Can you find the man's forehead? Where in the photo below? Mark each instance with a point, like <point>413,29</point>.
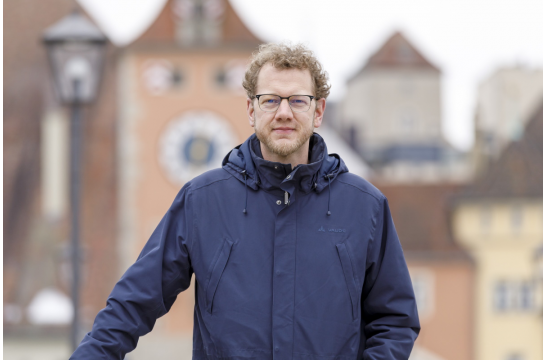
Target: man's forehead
<point>271,78</point>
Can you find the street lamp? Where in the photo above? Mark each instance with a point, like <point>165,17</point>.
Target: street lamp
<point>75,48</point>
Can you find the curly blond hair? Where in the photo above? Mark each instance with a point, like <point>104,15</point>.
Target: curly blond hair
<point>286,56</point>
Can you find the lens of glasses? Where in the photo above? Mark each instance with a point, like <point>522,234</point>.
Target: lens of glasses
<point>298,103</point>
<point>269,102</point>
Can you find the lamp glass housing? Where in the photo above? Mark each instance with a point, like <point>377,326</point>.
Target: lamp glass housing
<point>75,49</point>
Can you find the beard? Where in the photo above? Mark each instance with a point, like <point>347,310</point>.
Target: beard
<point>284,147</point>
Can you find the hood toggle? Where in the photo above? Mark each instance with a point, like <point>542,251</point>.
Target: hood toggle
<point>245,163</point>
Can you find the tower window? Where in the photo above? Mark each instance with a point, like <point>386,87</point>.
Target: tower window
<point>407,120</point>
<point>177,78</point>
<point>161,76</point>
<point>221,77</point>
<point>231,75</point>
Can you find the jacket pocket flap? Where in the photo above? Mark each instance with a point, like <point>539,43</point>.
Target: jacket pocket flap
<point>216,273</point>
<point>349,277</point>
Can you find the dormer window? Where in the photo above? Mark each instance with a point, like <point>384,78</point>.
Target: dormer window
<point>199,21</point>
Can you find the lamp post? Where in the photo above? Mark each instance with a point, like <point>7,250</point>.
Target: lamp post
<point>75,48</point>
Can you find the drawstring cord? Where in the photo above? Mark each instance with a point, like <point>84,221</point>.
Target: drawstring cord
<point>243,172</point>
<point>328,176</point>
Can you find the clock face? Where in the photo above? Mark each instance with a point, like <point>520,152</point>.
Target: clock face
<point>195,142</point>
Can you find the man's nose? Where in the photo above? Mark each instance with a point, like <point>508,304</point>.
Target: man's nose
<point>284,109</point>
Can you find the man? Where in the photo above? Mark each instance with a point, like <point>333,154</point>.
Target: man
<point>294,257</point>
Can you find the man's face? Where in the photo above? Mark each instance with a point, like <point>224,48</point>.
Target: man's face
<point>284,132</point>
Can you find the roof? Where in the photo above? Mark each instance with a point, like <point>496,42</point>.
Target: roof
<point>421,218</point>
<point>518,172</point>
<point>397,52</point>
<point>164,28</point>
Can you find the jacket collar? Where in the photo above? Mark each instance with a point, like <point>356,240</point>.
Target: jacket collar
<point>246,160</point>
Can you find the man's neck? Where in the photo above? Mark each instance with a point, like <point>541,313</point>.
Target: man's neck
<point>298,157</point>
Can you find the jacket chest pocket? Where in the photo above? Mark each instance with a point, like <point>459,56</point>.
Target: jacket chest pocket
<point>216,271</point>
<point>351,282</point>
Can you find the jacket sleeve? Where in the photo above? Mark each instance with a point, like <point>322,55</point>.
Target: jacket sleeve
<point>389,315</point>
<point>148,288</point>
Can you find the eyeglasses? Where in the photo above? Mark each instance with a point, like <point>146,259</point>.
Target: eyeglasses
<point>271,103</point>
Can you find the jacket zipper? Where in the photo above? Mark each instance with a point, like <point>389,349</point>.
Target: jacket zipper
<point>286,200</point>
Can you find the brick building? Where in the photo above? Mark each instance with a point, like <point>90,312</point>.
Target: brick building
<point>36,215</point>
<point>442,272</point>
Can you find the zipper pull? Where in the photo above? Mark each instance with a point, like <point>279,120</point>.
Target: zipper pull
<point>286,200</point>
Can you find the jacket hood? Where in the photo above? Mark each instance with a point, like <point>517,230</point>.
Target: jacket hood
<point>246,163</point>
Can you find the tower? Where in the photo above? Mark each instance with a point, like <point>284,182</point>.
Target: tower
<point>392,115</point>
<point>182,108</point>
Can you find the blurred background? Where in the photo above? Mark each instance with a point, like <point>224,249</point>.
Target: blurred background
<point>439,104</point>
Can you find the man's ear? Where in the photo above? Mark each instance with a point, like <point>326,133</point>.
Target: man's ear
<point>250,111</point>
<point>319,112</point>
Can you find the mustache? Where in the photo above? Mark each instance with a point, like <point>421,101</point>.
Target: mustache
<point>276,126</point>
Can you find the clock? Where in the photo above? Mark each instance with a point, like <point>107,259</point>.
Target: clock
<point>194,142</point>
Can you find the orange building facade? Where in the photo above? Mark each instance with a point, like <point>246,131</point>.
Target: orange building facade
<point>182,108</point>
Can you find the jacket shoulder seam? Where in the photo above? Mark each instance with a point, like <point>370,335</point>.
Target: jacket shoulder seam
<point>211,183</point>
<point>360,189</point>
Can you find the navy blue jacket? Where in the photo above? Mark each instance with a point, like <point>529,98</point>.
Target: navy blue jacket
<point>300,263</point>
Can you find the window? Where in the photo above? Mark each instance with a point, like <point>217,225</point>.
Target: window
<point>525,296</point>
<point>198,21</point>
<point>501,296</point>
<point>177,78</point>
<point>513,296</point>
<point>161,76</point>
<point>230,75</point>
<point>515,356</point>
<point>407,120</point>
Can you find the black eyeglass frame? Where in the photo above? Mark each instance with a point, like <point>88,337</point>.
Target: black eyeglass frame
<point>282,98</point>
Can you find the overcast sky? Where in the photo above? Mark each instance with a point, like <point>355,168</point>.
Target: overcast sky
<point>467,39</point>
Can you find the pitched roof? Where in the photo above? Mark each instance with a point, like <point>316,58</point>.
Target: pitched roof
<point>397,52</point>
<point>518,172</point>
<point>420,213</point>
<point>233,30</point>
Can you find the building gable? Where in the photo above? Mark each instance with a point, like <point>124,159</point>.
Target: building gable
<point>397,52</point>
<point>198,22</point>
<point>518,172</point>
